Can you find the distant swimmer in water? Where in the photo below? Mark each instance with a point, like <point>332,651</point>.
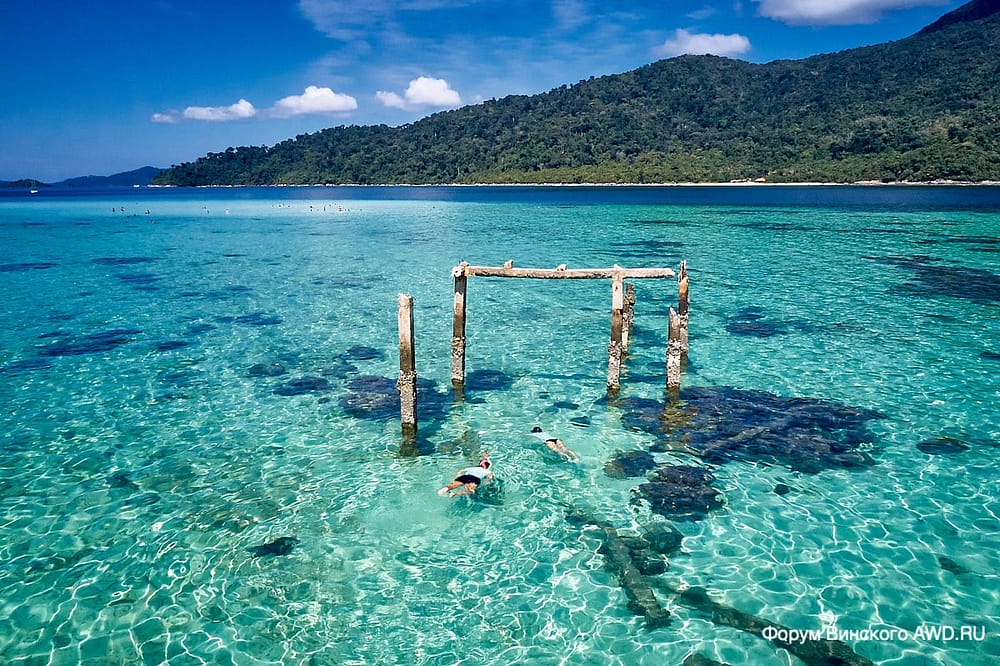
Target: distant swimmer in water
<point>468,480</point>
<point>555,444</point>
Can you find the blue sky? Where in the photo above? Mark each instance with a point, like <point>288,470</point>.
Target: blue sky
<point>109,86</point>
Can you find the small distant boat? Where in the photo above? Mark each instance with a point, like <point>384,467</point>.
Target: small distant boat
<point>137,186</point>
<point>33,191</point>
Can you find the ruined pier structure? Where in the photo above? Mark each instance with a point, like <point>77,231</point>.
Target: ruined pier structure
<point>622,316</point>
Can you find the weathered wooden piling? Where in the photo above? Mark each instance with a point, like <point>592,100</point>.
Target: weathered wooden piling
<point>674,354</point>
<point>628,316</point>
<point>682,305</point>
<point>615,350</point>
<point>458,326</point>
<point>407,383</point>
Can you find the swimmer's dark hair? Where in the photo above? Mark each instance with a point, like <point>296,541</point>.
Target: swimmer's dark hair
<point>536,429</point>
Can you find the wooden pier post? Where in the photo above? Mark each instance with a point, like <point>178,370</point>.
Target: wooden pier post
<point>407,383</point>
<point>458,327</point>
<point>682,305</point>
<point>615,346</point>
<point>628,316</point>
<point>674,355</point>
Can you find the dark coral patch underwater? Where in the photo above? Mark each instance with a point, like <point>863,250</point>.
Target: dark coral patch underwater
<point>630,464</point>
<point>488,380</point>
<point>937,446</point>
<point>302,385</point>
<point>122,261</point>
<point>932,278</point>
<point>750,321</point>
<point>372,397</point>
<point>681,492</point>
<point>90,344</point>
<point>26,266</point>
<point>723,424</point>
<point>277,548</point>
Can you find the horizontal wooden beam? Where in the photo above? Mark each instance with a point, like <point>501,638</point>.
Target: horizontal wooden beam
<point>561,272</point>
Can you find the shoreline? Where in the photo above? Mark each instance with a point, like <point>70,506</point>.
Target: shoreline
<point>863,183</point>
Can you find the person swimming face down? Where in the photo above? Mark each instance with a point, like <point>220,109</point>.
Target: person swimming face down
<point>468,480</point>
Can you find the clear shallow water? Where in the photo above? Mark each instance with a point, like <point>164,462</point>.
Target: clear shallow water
<point>142,454</point>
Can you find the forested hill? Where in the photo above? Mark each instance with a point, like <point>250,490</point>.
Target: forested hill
<point>919,109</point>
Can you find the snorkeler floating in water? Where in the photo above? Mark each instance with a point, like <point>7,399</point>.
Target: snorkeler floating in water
<point>470,478</point>
<point>555,444</point>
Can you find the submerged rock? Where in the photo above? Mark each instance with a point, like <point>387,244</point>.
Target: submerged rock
<point>371,397</point>
<point>121,479</point>
<point>26,266</point>
<point>698,659</point>
<point>254,319</point>
<point>663,537</point>
<point>934,279</point>
<point>302,385</point>
<point>198,329</point>
<point>25,365</point>
<point>681,492</point>
<point>951,566</point>
<point>141,281</point>
<point>632,463</point>
<point>374,397</point>
<point>721,424</point>
<point>90,344</point>
<point>266,370</point>
<point>488,380</point>
<point>169,345</point>
<point>362,353</point>
<point>280,546</point>
<point>339,368</point>
<point>942,446</point>
<point>122,261</point>
<point>750,321</point>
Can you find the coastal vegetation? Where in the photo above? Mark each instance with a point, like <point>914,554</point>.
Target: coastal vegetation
<point>920,109</point>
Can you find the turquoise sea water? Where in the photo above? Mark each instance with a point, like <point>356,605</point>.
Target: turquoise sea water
<point>181,386</point>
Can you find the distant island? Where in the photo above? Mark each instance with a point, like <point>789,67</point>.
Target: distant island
<point>141,177</point>
<point>922,109</point>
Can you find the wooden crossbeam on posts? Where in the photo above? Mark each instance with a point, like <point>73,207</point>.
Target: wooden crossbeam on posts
<point>407,383</point>
<point>622,308</point>
<point>561,272</point>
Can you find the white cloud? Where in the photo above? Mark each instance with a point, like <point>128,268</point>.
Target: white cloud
<point>356,20</point>
<point>345,20</point>
<point>314,100</point>
<point>701,14</point>
<point>701,43</point>
<point>390,99</point>
<point>422,93</point>
<point>238,111</point>
<point>834,12</point>
<point>165,117</point>
<point>569,14</point>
